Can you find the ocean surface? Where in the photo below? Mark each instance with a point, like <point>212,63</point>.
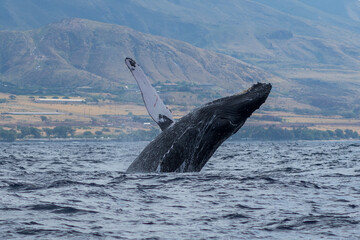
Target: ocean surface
<point>248,190</point>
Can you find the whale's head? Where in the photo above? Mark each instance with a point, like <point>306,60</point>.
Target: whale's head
<point>207,127</point>
<point>230,113</point>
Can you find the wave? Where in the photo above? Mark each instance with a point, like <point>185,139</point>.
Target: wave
<point>54,208</point>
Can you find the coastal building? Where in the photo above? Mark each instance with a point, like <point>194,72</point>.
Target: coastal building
<point>62,101</point>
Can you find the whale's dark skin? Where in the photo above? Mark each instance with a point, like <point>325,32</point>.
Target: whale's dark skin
<point>187,145</point>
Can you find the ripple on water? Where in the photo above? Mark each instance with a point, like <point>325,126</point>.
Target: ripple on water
<point>249,190</point>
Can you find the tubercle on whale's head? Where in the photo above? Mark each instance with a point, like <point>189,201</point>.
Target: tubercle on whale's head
<point>258,88</point>
<point>237,108</point>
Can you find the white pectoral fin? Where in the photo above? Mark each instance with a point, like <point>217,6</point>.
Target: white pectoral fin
<point>154,105</point>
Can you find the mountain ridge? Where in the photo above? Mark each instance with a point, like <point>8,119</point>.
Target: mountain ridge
<point>93,53</point>
<point>306,43</point>
<point>77,53</point>
<point>238,28</point>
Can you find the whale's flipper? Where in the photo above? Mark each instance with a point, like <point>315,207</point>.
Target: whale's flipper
<point>154,105</point>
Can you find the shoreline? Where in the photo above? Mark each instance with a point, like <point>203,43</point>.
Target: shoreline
<point>123,140</point>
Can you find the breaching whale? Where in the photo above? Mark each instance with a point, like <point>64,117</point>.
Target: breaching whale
<point>187,145</point>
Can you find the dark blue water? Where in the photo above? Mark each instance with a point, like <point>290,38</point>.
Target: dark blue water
<point>248,190</point>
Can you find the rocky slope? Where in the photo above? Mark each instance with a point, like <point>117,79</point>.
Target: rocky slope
<point>83,53</point>
<point>273,34</point>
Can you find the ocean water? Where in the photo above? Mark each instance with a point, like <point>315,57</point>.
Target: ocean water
<point>248,190</point>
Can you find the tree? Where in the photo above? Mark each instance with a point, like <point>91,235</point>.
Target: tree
<point>339,133</point>
<point>27,131</point>
<point>87,134</point>
<point>44,118</point>
<point>7,135</point>
<point>24,131</point>
<point>35,132</point>
<point>48,131</point>
<point>351,134</point>
<point>63,131</point>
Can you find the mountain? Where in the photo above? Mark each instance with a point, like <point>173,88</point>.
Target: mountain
<point>273,34</point>
<point>313,45</point>
<point>82,53</point>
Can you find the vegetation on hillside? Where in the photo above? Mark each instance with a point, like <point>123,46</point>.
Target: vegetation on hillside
<point>274,133</point>
<point>248,133</point>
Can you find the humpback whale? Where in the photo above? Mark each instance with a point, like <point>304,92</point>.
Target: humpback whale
<point>187,144</point>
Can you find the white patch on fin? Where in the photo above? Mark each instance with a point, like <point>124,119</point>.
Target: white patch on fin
<point>153,103</point>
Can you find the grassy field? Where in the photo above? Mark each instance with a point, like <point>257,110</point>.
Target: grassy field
<point>85,117</point>
<point>116,116</point>
<point>319,122</point>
